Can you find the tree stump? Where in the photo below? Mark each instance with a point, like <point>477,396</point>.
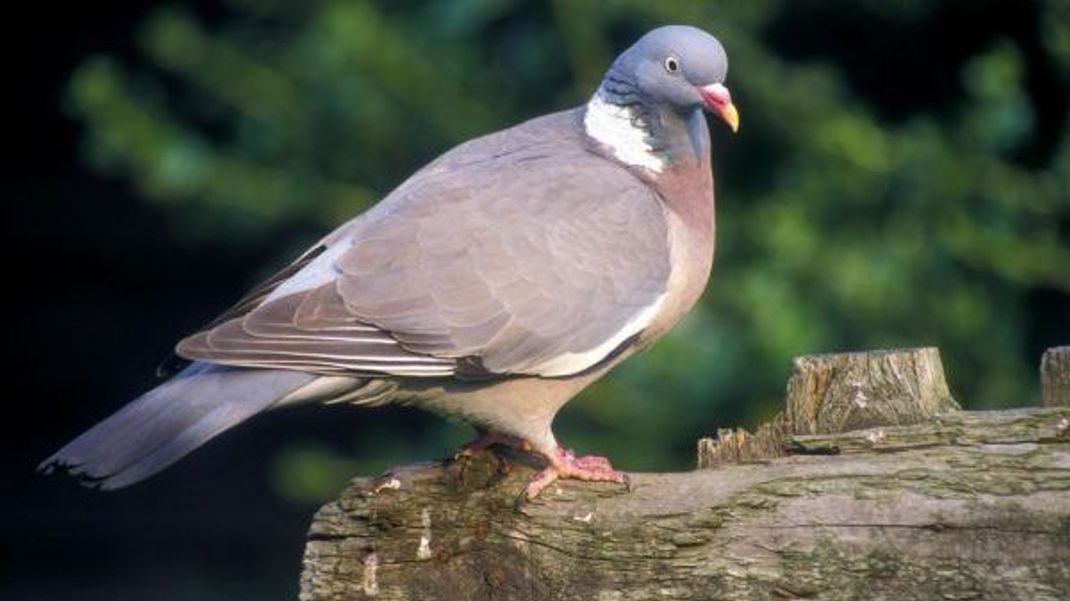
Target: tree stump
<point>834,393</point>
<point>851,391</point>
<point>1055,377</point>
<point>962,505</point>
<point>736,445</point>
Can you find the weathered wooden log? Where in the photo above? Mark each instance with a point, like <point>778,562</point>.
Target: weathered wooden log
<point>970,505</point>
<point>834,393</point>
<point>1055,377</point>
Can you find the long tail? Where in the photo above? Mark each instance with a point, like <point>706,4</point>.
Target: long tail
<point>166,423</point>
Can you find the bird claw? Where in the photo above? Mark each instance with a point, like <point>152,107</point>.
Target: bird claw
<point>565,465</point>
<point>562,464</point>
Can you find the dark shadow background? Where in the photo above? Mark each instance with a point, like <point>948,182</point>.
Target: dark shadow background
<point>98,291</point>
<point>103,276</point>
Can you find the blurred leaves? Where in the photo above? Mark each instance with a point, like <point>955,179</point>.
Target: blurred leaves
<point>310,473</point>
<point>838,229</point>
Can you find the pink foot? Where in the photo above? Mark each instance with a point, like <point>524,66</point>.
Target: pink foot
<point>488,438</point>
<point>564,464</point>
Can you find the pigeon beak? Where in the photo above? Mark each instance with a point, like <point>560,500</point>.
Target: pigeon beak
<point>719,101</point>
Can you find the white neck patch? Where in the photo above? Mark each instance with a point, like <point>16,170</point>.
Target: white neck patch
<point>612,126</point>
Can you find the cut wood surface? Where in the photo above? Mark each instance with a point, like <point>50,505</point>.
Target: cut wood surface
<point>962,505</point>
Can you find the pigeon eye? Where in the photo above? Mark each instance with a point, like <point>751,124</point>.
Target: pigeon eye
<point>672,65</point>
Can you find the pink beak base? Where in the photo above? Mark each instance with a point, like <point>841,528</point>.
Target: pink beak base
<point>719,100</point>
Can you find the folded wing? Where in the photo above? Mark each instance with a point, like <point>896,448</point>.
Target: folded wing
<point>512,254</point>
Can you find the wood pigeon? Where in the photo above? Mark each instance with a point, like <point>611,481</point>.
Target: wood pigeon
<point>493,285</point>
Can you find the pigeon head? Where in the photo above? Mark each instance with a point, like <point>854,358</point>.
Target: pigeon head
<point>677,66</point>
<point>648,111</point>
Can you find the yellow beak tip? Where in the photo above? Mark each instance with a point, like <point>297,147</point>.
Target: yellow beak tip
<point>731,117</point>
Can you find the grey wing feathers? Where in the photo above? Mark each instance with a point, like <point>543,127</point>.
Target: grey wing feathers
<point>521,252</point>
<point>252,299</point>
<point>278,335</point>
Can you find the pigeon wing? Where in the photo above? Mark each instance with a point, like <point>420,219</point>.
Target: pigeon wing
<point>517,253</point>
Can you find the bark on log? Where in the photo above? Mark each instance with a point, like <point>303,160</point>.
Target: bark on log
<point>972,505</point>
<point>1055,377</point>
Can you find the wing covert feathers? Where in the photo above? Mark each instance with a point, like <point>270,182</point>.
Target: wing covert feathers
<point>520,252</point>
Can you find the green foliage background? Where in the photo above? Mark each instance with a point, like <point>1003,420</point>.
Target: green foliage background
<point>841,225</point>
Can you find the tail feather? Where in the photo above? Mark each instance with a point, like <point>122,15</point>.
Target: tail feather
<point>168,422</point>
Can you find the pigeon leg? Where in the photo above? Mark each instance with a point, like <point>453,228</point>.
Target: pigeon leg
<point>564,464</point>
<point>487,438</point>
